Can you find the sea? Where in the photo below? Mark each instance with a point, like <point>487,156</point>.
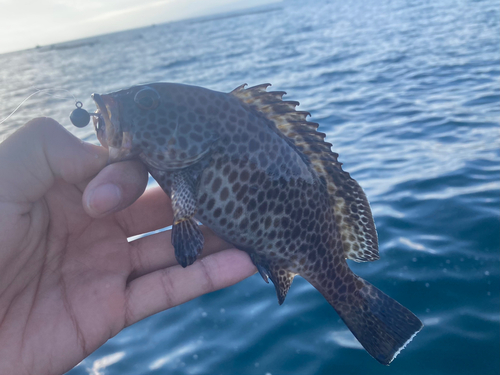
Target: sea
<point>408,93</point>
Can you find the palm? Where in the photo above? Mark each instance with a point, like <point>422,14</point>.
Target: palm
<point>77,287</point>
<point>69,282</point>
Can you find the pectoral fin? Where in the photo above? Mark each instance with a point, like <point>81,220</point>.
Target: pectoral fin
<point>187,238</point>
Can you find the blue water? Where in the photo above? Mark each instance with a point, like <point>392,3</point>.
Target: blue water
<point>408,93</point>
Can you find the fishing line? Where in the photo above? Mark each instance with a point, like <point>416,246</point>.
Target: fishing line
<point>45,92</point>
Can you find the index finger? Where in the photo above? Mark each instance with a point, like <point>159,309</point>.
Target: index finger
<point>40,152</point>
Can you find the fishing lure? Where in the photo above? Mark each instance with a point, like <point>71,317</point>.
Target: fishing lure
<point>79,116</point>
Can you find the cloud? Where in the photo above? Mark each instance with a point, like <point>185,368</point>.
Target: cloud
<point>27,23</point>
<point>120,12</point>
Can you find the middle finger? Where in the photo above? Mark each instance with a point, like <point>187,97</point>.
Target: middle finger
<point>154,252</point>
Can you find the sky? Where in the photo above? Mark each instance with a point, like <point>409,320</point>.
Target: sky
<point>28,23</point>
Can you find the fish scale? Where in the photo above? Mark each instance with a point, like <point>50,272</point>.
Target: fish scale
<point>255,171</point>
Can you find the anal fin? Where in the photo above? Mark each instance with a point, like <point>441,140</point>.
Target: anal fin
<point>282,281</point>
<point>281,278</point>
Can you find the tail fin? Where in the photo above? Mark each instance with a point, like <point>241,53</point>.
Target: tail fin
<point>380,324</point>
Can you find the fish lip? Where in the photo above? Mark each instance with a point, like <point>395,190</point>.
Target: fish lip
<point>102,108</point>
<point>98,101</point>
<point>106,109</point>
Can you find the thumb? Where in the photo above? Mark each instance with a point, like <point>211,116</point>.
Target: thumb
<point>39,153</point>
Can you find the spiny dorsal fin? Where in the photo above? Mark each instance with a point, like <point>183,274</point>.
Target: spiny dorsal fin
<point>352,210</point>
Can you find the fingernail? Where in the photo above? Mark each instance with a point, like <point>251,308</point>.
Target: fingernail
<point>104,198</point>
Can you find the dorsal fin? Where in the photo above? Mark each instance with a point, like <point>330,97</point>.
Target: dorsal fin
<point>352,210</point>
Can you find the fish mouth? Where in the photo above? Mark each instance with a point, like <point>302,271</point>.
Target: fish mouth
<point>108,129</point>
<point>102,122</point>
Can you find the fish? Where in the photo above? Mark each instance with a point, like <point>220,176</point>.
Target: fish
<point>253,169</point>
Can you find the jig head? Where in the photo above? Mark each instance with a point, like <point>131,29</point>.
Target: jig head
<point>80,117</point>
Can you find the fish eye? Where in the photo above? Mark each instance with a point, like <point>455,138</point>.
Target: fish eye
<point>147,98</point>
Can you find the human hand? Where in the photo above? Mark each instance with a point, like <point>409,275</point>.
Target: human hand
<point>69,279</point>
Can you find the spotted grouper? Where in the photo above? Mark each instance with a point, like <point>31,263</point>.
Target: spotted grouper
<point>254,170</point>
